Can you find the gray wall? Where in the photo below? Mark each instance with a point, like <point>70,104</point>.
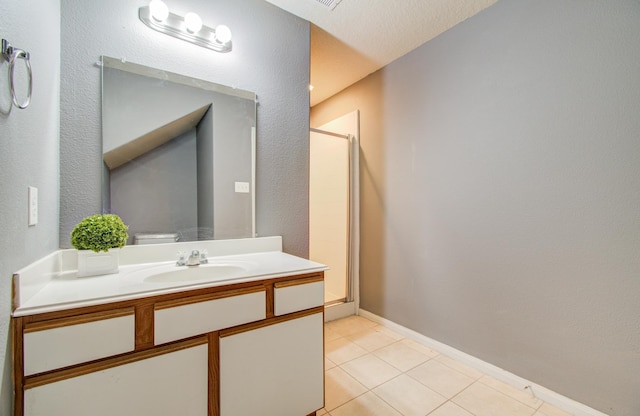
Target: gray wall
<point>28,156</point>
<point>155,192</point>
<point>204,181</point>
<point>231,163</point>
<point>501,193</point>
<point>224,157</point>
<point>270,57</point>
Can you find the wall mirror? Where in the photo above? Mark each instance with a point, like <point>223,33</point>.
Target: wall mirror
<point>178,153</point>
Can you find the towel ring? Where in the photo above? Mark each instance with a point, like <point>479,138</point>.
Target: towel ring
<point>12,54</point>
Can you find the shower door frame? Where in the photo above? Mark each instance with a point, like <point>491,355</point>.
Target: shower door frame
<point>350,304</point>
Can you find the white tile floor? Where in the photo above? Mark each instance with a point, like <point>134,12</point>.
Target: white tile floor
<point>370,370</point>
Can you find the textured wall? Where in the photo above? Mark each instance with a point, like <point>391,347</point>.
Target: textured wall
<point>500,193</point>
<point>28,156</point>
<point>270,57</point>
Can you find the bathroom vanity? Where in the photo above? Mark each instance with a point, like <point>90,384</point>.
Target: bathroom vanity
<point>246,340</point>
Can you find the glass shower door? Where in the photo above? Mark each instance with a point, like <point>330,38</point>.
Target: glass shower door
<point>329,219</point>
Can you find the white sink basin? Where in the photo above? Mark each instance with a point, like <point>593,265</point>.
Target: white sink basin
<point>215,271</point>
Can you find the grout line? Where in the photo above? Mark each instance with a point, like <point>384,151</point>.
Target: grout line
<point>350,400</point>
<point>457,370</point>
<point>434,410</point>
<point>405,372</point>
<point>389,404</point>
<point>460,392</point>
<point>544,394</point>
<point>509,396</point>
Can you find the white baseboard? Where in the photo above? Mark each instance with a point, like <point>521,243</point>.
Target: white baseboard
<point>339,310</point>
<point>549,396</point>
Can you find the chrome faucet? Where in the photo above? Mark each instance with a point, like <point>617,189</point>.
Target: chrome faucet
<point>196,258</point>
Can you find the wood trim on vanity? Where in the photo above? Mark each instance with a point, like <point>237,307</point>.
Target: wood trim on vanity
<point>303,281</point>
<point>207,297</point>
<point>110,306</point>
<point>270,321</point>
<point>15,292</point>
<point>78,319</point>
<point>271,300</point>
<point>118,360</point>
<point>214,374</point>
<point>16,326</point>
<point>144,326</point>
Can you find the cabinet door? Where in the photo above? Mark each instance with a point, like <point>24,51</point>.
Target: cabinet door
<point>273,370</point>
<point>169,384</point>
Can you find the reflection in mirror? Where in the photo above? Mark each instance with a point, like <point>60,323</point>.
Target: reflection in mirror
<point>179,154</point>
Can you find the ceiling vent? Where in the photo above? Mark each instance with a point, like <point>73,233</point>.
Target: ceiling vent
<point>330,4</point>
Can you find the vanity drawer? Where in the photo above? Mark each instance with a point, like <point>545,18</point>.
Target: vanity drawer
<point>297,295</point>
<point>187,317</point>
<point>58,343</point>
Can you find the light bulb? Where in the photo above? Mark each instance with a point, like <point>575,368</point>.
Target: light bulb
<point>159,10</point>
<point>223,34</point>
<point>193,22</point>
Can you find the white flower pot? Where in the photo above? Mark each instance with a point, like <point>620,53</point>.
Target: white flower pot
<point>91,263</point>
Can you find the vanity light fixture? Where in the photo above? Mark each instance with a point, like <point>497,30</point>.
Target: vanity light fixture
<point>190,28</point>
<point>159,10</point>
<point>192,22</point>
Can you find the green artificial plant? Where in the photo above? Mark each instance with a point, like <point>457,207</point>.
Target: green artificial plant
<point>100,232</point>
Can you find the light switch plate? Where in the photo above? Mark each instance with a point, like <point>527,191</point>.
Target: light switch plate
<point>33,205</point>
<point>242,187</point>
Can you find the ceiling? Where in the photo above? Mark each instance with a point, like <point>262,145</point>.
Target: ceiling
<point>359,37</point>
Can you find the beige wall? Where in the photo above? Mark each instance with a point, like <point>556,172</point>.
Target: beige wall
<point>500,167</point>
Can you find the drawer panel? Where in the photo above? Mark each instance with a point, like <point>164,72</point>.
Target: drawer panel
<point>298,295</point>
<point>57,344</point>
<point>202,316</point>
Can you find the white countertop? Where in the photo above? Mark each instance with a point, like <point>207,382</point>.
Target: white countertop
<point>64,290</point>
